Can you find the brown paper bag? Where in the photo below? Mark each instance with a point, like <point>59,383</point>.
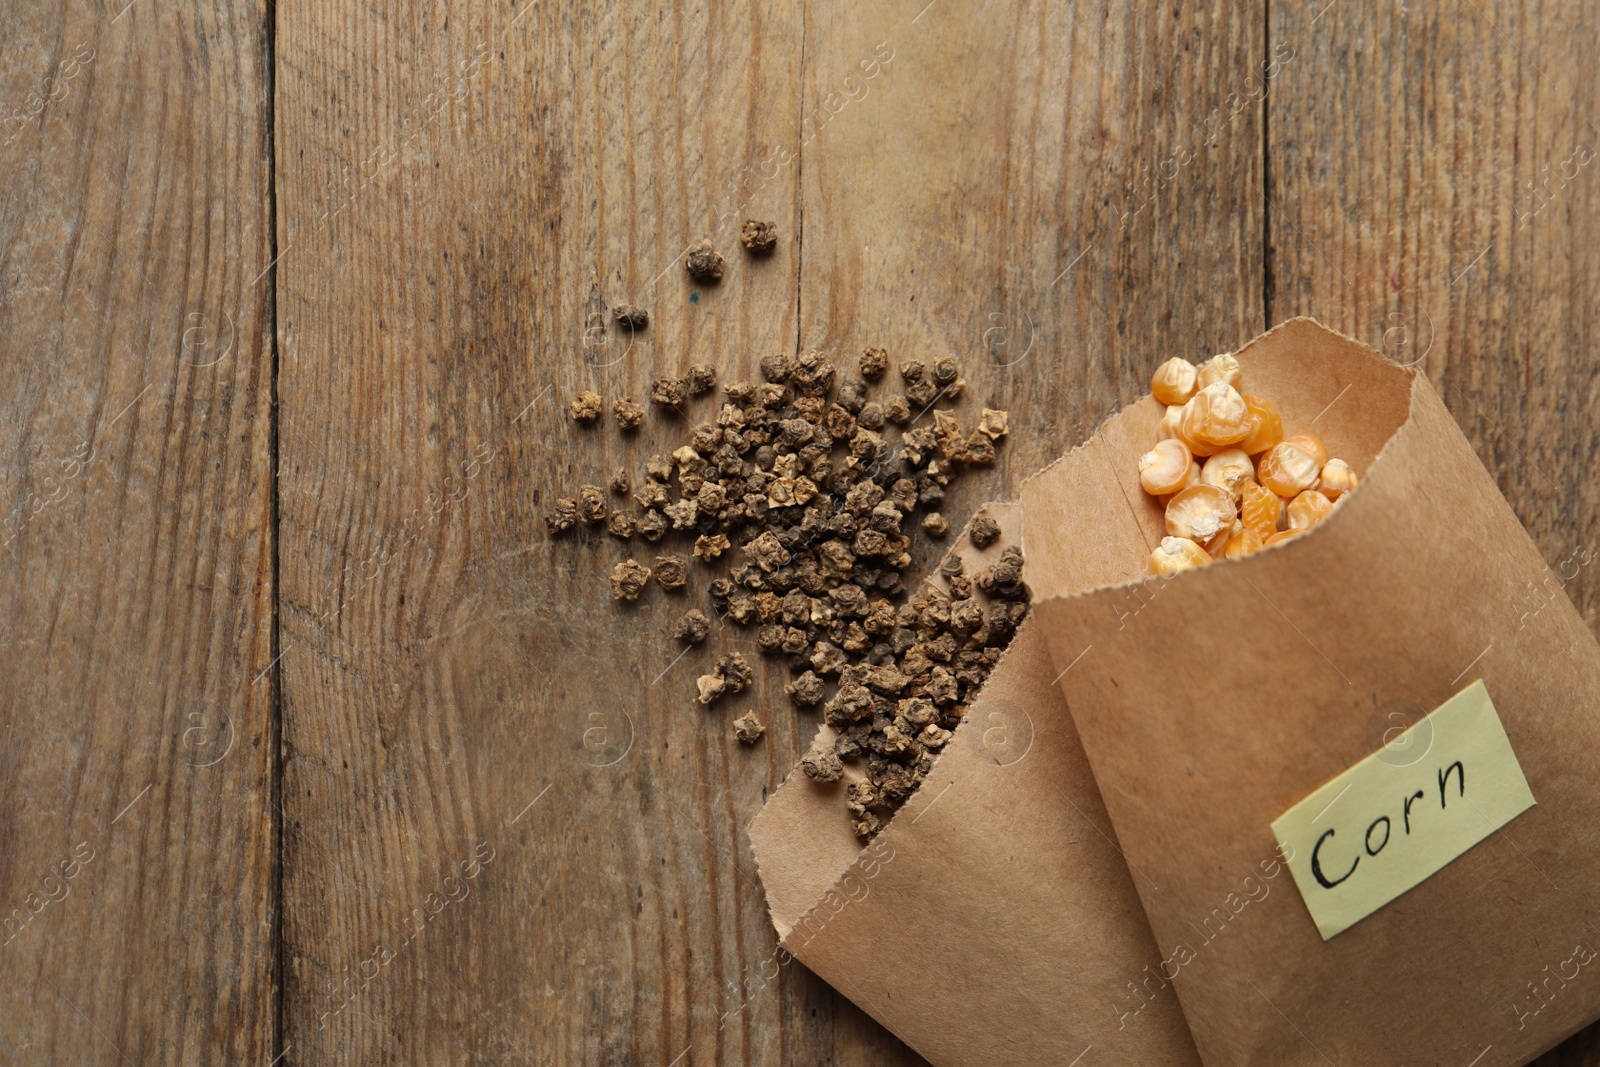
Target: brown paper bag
<point>1211,704</point>
<point>993,918</point>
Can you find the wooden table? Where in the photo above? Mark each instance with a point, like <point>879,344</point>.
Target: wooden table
<point>293,298</point>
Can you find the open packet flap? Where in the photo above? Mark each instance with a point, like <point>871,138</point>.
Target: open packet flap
<point>993,920</point>
<point>1212,703</point>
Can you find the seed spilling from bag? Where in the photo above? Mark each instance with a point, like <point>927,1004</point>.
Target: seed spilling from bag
<point>813,515</point>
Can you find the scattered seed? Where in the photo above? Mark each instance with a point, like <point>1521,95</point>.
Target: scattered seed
<point>736,673</point>
<point>710,687</point>
<point>563,518</point>
<point>628,413</point>
<point>775,366</point>
<point>702,379</point>
<point>758,237</point>
<point>873,363</point>
<point>628,579</point>
<point>708,547</point>
<point>806,690</point>
<point>797,474</point>
<point>692,627</point>
<point>668,392</point>
<point>748,729</point>
<point>652,524</point>
<point>630,317</point>
<point>671,571</point>
<point>586,407</point>
<point>592,504</point>
<point>704,263</point>
<point>992,424</point>
<point>822,766</point>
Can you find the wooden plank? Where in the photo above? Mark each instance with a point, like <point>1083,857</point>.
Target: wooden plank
<point>1433,194</point>
<point>452,678</point>
<point>1059,197</point>
<point>136,542</point>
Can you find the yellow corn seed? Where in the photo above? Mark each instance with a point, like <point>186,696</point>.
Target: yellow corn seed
<point>1243,544</point>
<point>1260,510</point>
<point>1175,555</point>
<point>1218,544</point>
<point>1281,536</point>
<point>1266,425</point>
<point>1308,509</point>
<point>1229,469</point>
<point>1169,422</point>
<point>1288,470</point>
<point>1190,480</point>
<point>1174,381</point>
<point>1165,468</point>
<point>1222,368</point>
<point>1337,479</point>
<point>1215,418</point>
<point>1200,513</point>
<point>1311,445</point>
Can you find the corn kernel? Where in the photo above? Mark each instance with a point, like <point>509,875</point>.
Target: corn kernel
<point>1165,468</point>
<point>1175,555</point>
<point>1222,368</point>
<point>1200,513</point>
<point>1190,480</point>
<point>1281,536</point>
<point>1311,445</point>
<point>1174,381</point>
<point>1219,544</point>
<point>1243,543</point>
<point>1229,469</point>
<point>1266,425</point>
<point>1169,422</point>
<point>1308,509</point>
<point>1288,470</point>
<point>1338,479</point>
<point>1260,510</point>
<point>1215,418</point>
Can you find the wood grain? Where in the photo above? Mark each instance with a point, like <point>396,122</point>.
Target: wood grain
<point>442,672</point>
<point>1010,191</point>
<point>1409,150</point>
<point>507,833</point>
<point>1000,197</point>
<point>452,677</point>
<point>136,542</point>
<point>1411,153</point>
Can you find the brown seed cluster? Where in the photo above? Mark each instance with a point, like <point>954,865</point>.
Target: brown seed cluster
<point>630,317</point>
<point>748,728</point>
<point>704,263</point>
<point>793,482</point>
<point>628,413</point>
<point>758,237</point>
<point>585,407</point>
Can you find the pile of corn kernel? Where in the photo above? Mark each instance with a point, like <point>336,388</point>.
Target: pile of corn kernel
<point>1230,481</point>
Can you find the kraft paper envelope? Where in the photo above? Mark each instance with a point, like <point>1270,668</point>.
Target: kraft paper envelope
<point>1212,704</point>
<point>994,920</point>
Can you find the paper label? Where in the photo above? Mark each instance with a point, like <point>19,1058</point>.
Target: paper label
<point>1404,812</point>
